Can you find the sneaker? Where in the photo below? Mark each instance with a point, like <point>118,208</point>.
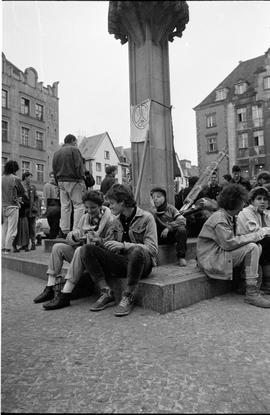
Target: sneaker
<point>125,306</point>
<point>182,262</point>
<point>46,295</point>
<point>60,300</point>
<point>106,299</point>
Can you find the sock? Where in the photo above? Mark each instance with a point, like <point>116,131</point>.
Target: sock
<point>68,287</point>
<point>51,280</point>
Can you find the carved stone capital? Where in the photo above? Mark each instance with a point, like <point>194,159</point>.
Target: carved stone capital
<point>127,20</point>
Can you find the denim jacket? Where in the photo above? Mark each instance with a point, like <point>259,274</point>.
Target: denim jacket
<point>142,232</point>
<point>216,241</point>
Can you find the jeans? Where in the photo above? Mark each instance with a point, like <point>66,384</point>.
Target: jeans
<point>32,229</point>
<point>9,226</point>
<point>101,263</point>
<point>71,194</point>
<point>53,216</point>
<point>249,255</point>
<point>179,236</point>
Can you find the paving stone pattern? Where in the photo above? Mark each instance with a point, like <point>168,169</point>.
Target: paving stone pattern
<point>212,357</point>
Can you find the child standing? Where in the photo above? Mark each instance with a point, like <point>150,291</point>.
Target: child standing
<point>171,225</point>
<point>220,249</point>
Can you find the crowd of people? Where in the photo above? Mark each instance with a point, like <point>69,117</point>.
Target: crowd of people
<point>106,234</point>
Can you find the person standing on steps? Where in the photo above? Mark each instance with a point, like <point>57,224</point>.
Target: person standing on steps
<point>68,169</point>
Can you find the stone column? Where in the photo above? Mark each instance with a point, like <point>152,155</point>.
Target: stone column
<point>147,27</point>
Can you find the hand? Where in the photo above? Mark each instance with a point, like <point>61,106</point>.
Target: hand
<point>114,246</point>
<point>164,233</point>
<point>92,237</point>
<point>267,231</point>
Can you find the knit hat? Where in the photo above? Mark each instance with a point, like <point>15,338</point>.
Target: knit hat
<point>159,189</point>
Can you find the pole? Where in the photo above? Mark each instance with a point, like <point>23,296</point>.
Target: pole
<point>142,166</point>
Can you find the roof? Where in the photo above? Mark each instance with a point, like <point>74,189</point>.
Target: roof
<point>89,145</point>
<point>245,71</point>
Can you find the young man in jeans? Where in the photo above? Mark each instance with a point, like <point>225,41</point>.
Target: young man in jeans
<point>130,251</point>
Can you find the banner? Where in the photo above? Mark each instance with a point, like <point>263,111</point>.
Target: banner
<point>139,121</point>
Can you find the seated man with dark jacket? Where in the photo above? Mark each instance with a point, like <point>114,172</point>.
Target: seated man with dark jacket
<point>171,226</point>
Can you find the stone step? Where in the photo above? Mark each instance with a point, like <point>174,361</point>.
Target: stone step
<point>166,253</point>
<point>167,288</point>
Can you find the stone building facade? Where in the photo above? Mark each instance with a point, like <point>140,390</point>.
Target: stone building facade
<point>30,121</point>
<point>236,115</point>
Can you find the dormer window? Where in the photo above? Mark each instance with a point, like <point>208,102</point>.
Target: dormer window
<point>240,88</point>
<point>221,94</point>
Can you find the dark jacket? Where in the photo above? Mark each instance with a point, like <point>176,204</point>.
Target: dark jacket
<point>243,182</point>
<point>67,164</point>
<point>107,183</point>
<point>31,202</point>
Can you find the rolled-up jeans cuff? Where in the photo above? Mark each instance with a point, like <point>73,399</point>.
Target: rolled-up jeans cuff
<point>51,272</point>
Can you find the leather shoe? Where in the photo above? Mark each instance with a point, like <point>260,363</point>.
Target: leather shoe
<point>61,300</point>
<point>46,295</point>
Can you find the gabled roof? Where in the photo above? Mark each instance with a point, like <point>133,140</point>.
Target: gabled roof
<point>89,145</point>
<point>245,71</point>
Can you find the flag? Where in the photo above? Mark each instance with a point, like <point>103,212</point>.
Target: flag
<point>139,121</point>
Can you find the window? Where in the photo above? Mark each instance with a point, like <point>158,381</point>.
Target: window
<point>240,88</point>
<point>212,144</point>
<point>4,131</point>
<point>124,172</point>
<point>25,137</point>
<point>257,116</point>
<point>241,114</point>
<point>25,106</point>
<point>266,82</point>
<point>243,140</point>
<point>25,166</point>
<point>40,173</point>
<point>39,140</point>
<point>220,94</point>
<point>98,166</point>
<point>98,180</point>
<point>211,120</point>
<point>107,155</point>
<point>4,98</point>
<point>39,112</point>
<point>258,138</point>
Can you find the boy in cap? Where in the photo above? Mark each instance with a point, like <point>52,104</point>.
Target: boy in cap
<point>171,225</point>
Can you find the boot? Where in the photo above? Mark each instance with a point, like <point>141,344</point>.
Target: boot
<point>254,297</point>
<point>39,239</point>
<point>33,246</point>
<point>265,287</point>
<point>46,295</point>
<point>60,300</point>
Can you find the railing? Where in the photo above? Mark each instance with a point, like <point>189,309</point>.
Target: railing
<point>242,125</point>
<point>258,150</point>
<point>243,152</point>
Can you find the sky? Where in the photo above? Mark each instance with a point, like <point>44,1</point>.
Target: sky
<point>68,41</point>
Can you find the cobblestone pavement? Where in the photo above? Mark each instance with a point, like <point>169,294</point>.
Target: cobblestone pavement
<point>212,357</point>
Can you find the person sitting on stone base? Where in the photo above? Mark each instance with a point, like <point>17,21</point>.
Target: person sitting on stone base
<point>94,223</point>
<point>220,249</point>
<point>129,252</point>
<point>252,218</point>
<point>171,225</point>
